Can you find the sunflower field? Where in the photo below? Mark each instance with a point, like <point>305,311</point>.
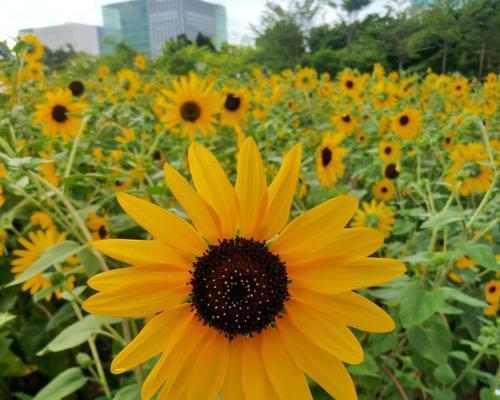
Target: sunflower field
<point>288,235</point>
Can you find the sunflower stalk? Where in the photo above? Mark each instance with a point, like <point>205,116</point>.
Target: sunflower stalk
<point>74,148</point>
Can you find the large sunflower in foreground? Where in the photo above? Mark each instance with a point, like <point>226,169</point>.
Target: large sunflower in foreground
<point>60,115</point>
<point>192,106</point>
<point>245,304</point>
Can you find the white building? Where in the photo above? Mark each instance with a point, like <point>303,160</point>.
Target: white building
<point>80,36</point>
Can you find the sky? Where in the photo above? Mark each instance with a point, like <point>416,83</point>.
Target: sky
<point>19,14</point>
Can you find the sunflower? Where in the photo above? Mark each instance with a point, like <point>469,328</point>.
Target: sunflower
<point>375,215</point>
<point>384,190</point>
<point>129,82</point>
<point>391,171</point>
<point>362,138</point>
<point>193,106</point>
<point>345,123</point>
<point>329,164</point>
<point>77,88</point>
<point>41,219</point>
<point>234,111</point>
<point>140,62</point>
<point>98,225</point>
<point>350,84</point>
<point>470,172</point>
<point>59,115</point>
<point>237,314</point>
<point>102,72</point>
<point>34,48</point>
<point>407,124</point>
<point>389,152</point>
<point>306,78</point>
<point>492,291</point>
<point>33,70</point>
<point>33,248</point>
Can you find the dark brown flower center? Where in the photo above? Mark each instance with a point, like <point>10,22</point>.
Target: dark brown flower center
<point>391,171</point>
<point>346,118</point>
<point>232,102</point>
<point>190,111</point>
<point>238,287</point>
<point>59,113</point>
<point>388,150</point>
<point>403,120</point>
<point>326,156</point>
<point>349,84</point>
<point>492,289</point>
<point>77,88</point>
<point>384,189</point>
<point>102,232</point>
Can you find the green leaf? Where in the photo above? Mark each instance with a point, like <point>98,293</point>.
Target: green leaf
<point>431,340</point>
<point>418,305</point>
<point>483,254</point>
<point>444,373</point>
<point>130,392</point>
<point>54,255</point>
<point>443,394</point>
<point>6,317</point>
<point>454,294</point>
<point>62,385</point>
<point>442,218</point>
<point>367,368</point>
<point>89,262</point>
<point>12,366</point>
<point>62,315</point>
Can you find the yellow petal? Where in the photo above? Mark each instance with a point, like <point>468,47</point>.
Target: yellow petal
<point>136,299</point>
<point>313,230</point>
<point>256,383</point>
<point>326,370</point>
<point>288,381</point>
<point>214,186</point>
<point>137,252</point>
<point>170,365</point>
<point>358,242</point>
<point>158,336</point>
<point>353,309</point>
<point>163,225</point>
<point>122,276</point>
<point>201,213</point>
<point>357,274</point>
<point>209,370</point>
<point>280,195</point>
<point>251,188</point>
<point>232,388</point>
<point>325,331</point>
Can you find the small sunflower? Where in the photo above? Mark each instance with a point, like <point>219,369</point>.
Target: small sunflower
<point>41,219</point>
<point>306,78</point>
<point>77,88</point>
<point>392,171</point>
<point>407,124</point>
<point>492,292</point>
<point>129,82</point>
<point>34,48</point>
<point>470,172</point>
<point>238,315</point>
<point>140,62</point>
<point>33,70</point>
<point>234,111</point>
<point>59,115</point>
<point>389,152</point>
<point>193,106</point>
<point>329,164</point>
<point>384,190</point>
<point>98,225</point>
<point>102,72</point>
<point>350,84</point>
<point>375,215</point>
<point>345,123</point>
<point>33,247</point>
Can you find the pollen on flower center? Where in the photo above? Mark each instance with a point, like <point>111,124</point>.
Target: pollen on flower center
<point>190,111</point>
<point>238,287</point>
<point>326,156</point>
<point>59,113</point>
<point>232,102</point>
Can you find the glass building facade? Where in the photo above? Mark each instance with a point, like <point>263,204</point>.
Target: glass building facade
<point>147,24</point>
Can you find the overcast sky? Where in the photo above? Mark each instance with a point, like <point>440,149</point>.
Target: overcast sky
<point>19,14</point>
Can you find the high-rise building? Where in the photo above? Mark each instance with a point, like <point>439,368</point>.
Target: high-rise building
<point>147,24</point>
<point>80,36</point>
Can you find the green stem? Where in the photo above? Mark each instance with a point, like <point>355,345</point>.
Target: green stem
<point>75,147</point>
<point>471,365</point>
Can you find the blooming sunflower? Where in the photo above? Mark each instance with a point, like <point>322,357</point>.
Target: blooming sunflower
<point>492,291</point>
<point>77,88</point>
<point>33,70</point>
<point>306,78</point>
<point>345,123</point>
<point>102,72</point>
<point>389,152</point>
<point>129,82</point>
<point>384,190</point>
<point>59,115</point>
<point>193,106</point>
<point>375,215</point>
<point>234,111</point>
<point>470,172</point>
<point>34,48</point>
<point>350,84</point>
<point>329,164</point>
<point>140,62</point>
<point>236,313</point>
<point>37,244</point>
<point>391,171</point>
<point>98,225</point>
<point>406,125</point>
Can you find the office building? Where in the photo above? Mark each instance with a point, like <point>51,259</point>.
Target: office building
<point>81,37</point>
<point>147,24</point>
